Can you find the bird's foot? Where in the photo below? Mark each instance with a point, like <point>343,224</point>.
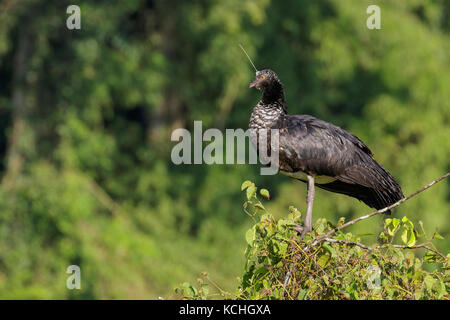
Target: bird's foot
<point>298,228</point>
<point>302,230</point>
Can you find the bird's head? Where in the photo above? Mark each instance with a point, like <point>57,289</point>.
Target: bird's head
<point>265,79</point>
<point>268,83</point>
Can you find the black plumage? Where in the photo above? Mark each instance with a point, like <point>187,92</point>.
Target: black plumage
<point>313,149</point>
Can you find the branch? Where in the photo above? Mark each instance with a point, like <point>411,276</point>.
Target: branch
<point>331,232</point>
<point>326,237</point>
<point>424,245</point>
<point>420,246</point>
<point>333,240</point>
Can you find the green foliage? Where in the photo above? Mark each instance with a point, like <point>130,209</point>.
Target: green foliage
<point>281,266</point>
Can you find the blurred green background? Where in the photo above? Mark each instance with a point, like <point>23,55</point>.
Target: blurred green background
<point>86,117</point>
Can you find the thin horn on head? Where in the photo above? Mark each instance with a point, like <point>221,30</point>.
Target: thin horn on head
<point>248,57</point>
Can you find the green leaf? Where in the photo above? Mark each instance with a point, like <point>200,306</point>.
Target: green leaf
<point>438,236</point>
<point>330,249</point>
<point>285,222</point>
<point>323,260</point>
<point>265,193</point>
<point>294,213</point>
<point>430,256</point>
<point>418,294</point>
<point>205,289</point>
<point>408,237</point>
<point>440,288</point>
<point>261,272</point>
<point>302,294</point>
<point>407,223</point>
<point>412,239</point>
<point>383,236</point>
<point>359,235</point>
<point>429,282</point>
<point>392,225</point>
<point>259,206</point>
<point>250,236</point>
<point>246,184</point>
<point>282,248</point>
<point>188,289</point>
<point>251,191</point>
<point>395,222</point>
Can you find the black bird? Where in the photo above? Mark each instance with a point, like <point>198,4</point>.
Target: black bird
<point>317,152</point>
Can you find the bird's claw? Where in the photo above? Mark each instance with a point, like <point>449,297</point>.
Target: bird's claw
<point>302,230</point>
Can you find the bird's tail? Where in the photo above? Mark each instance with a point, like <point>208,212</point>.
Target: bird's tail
<point>374,198</point>
<point>370,183</point>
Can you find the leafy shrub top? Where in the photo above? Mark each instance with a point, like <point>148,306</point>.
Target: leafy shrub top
<point>279,265</point>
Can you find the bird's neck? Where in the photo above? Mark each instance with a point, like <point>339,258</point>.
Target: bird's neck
<point>274,95</point>
<point>267,115</point>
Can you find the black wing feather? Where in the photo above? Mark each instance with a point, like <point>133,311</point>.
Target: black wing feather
<point>317,147</point>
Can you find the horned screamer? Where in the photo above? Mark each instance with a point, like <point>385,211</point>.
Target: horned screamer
<point>320,153</point>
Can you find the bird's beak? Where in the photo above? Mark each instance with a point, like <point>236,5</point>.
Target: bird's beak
<point>253,84</point>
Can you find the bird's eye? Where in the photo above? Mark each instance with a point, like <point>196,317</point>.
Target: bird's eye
<point>262,77</point>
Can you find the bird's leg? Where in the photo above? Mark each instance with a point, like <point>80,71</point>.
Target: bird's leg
<point>309,201</point>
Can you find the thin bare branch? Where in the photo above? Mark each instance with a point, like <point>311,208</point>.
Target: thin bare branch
<point>331,232</point>
<point>327,237</point>
<point>333,240</point>
<point>420,246</point>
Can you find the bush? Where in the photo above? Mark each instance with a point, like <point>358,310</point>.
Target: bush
<point>281,266</point>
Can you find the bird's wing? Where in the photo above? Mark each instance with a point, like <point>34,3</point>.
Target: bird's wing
<point>313,145</point>
<point>320,148</point>
<point>332,130</point>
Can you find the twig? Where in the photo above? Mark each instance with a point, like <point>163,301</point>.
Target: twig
<point>222,292</point>
<point>420,246</point>
<point>287,278</point>
<point>333,240</point>
<point>327,235</point>
<point>423,245</point>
